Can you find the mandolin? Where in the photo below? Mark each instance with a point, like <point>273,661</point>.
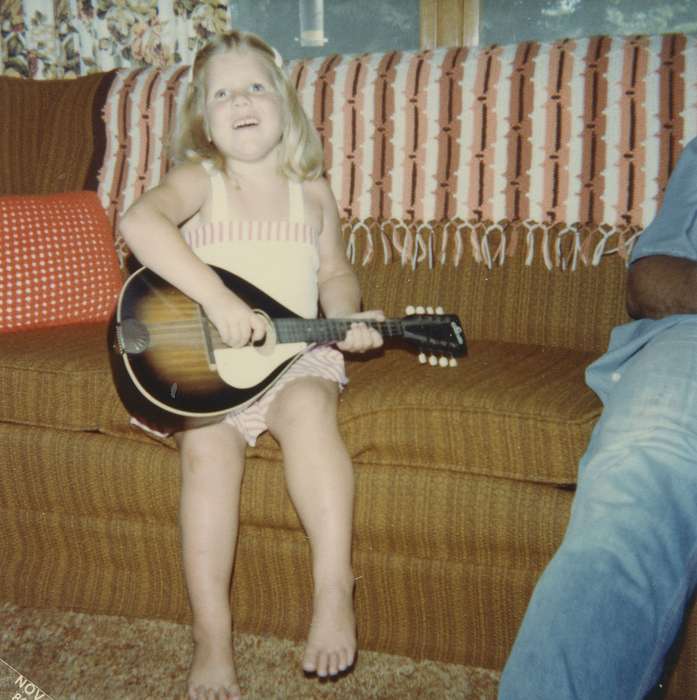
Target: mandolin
<point>172,371</point>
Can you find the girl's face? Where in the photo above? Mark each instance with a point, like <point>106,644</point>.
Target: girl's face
<point>243,110</point>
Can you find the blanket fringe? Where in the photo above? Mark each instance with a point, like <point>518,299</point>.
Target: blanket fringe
<point>558,245</point>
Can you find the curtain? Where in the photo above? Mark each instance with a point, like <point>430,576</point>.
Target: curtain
<point>68,38</point>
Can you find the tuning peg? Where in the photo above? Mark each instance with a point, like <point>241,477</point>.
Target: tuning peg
<point>443,361</point>
<point>439,310</point>
<point>420,310</point>
<point>410,310</point>
<point>433,360</point>
<point>422,358</point>
<point>429,309</point>
<point>452,362</point>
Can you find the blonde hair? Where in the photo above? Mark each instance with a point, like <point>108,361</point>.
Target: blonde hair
<point>300,154</point>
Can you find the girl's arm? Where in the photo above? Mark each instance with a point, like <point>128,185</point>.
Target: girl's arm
<point>149,228</point>
<point>339,292</point>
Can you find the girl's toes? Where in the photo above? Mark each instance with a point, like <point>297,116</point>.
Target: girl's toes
<point>322,664</point>
<point>310,662</point>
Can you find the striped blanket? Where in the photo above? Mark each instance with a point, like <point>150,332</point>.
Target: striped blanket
<point>559,152</point>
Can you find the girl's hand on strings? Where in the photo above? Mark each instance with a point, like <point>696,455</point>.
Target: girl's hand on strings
<point>235,321</point>
<point>361,337</point>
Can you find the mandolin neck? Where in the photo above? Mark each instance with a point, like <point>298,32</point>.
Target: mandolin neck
<point>441,334</point>
<point>315,330</point>
<point>328,330</point>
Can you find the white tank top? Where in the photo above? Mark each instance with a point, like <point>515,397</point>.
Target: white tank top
<point>280,257</point>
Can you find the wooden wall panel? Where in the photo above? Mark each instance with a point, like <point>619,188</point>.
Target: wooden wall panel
<point>449,23</point>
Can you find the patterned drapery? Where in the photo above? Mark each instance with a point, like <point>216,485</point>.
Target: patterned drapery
<point>68,38</point>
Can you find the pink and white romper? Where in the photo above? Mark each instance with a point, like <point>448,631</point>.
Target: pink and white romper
<point>282,259</point>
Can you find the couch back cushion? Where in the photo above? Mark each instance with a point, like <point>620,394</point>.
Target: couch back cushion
<point>57,261</point>
<point>52,138</point>
<point>514,303</point>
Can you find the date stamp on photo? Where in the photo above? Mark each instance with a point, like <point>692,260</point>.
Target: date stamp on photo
<point>16,686</point>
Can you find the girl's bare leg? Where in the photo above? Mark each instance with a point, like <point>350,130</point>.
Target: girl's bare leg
<point>319,475</point>
<point>212,464</point>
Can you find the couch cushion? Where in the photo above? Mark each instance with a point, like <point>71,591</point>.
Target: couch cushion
<point>508,410</point>
<point>58,377</point>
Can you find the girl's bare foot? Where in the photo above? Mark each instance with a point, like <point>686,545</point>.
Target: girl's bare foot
<point>212,674</point>
<point>331,643</point>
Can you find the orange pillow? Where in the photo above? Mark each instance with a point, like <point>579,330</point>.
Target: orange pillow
<point>57,261</point>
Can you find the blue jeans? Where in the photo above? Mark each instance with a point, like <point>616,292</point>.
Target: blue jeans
<point>610,603</point>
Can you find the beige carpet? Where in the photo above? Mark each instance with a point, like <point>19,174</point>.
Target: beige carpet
<point>78,656</point>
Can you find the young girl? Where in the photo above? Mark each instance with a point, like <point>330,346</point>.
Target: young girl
<point>251,180</point>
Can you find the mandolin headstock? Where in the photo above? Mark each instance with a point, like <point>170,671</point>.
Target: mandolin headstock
<point>439,337</point>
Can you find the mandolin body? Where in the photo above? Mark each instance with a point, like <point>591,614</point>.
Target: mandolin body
<point>172,371</point>
<point>168,371</point>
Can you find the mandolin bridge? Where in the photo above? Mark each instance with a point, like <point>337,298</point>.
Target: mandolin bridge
<point>207,339</point>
